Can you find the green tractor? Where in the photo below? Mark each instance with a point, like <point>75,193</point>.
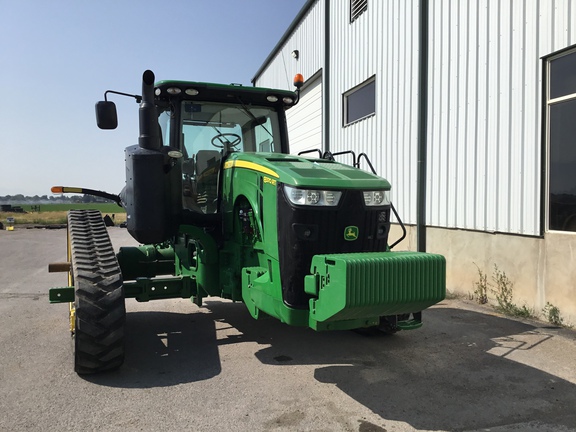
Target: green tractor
<point>222,209</point>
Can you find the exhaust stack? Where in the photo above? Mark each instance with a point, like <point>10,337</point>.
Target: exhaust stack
<point>149,130</point>
<point>144,196</point>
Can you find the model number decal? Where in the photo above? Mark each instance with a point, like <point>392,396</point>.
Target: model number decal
<point>269,180</point>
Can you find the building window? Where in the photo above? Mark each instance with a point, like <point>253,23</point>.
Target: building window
<point>561,118</point>
<point>360,102</point>
<point>357,8</point>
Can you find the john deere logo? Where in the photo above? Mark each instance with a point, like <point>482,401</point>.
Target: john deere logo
<point>351,233</point>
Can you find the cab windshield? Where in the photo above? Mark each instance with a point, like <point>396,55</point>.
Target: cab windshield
<point>212,130</point>
<point>229,127</point>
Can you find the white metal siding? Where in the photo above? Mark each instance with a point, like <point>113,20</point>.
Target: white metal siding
<point>383,41</point>
<point>305,123</point>
<point>308,39</point>
<point>484,101</point>
<point>484,117</point>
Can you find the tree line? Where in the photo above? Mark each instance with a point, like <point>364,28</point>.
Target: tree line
<point>54,199</point>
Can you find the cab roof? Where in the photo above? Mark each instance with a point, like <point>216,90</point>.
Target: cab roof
<point>202,91</point>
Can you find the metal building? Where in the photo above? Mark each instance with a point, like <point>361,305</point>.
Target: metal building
<point>468,108</point>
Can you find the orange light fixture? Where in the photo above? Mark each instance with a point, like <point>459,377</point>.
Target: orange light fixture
<point>298,81</point>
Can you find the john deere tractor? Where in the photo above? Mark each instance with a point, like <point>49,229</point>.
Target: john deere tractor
<point>222,209</point>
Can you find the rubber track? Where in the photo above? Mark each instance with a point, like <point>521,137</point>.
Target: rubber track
<point>99,296</point>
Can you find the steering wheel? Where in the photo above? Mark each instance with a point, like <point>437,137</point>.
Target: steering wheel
<point>221,140</point>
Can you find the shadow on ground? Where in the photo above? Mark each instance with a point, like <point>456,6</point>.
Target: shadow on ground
<point>439,377</point>
<point>165,349</point>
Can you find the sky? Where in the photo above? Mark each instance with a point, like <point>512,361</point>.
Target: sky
<point>58,57</point>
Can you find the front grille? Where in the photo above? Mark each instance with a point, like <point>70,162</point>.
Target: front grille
<point>305,231</point>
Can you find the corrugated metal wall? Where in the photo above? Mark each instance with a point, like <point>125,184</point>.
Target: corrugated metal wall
<point>485,110</point>
<point>305,123</point>
<point>308,39</point>
<point>484,107</point>
<point>383,42</point>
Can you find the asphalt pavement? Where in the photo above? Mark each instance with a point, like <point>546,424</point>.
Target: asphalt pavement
<point>216,369</point>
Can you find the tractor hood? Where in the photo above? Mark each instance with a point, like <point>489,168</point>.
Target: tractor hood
<point>306,172</point>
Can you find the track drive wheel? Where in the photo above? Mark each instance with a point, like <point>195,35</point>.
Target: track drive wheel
<point>99,312</point>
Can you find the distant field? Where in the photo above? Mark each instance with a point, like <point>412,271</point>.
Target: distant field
<point>55,214</point>
<point>104,208</point>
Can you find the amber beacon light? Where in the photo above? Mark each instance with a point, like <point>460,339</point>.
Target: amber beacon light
<point>298,81</point>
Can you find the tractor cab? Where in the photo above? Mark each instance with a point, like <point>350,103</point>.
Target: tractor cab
<point>187,131</point>
<point>208,122</point>
<point>206,132</point>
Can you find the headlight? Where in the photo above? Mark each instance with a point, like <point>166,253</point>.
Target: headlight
<point>312,197</point>
<point>377,198</point>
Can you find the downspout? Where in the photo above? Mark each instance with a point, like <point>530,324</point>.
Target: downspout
<point>422,126</point>
<point>326,79</point>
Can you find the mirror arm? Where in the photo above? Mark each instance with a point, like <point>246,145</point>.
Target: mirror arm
<point>138,98</point>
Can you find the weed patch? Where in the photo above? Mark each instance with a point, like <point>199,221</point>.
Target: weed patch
<point>503,290</point>
<point>552,314</point>
<point>481,291</point>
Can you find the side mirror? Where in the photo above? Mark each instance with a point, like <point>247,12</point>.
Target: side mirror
<point>106,116</point>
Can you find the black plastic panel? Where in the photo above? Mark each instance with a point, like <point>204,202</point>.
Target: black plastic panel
<point>305,231</point>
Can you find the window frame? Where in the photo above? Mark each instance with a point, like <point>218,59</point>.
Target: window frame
<point>548,104</point>
<point>346,97</point>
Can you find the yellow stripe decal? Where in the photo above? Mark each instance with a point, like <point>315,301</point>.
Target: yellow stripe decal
<point>251,166</point>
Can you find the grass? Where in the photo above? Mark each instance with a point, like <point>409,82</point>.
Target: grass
<point>55,214</point>
<point>103,207</point>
